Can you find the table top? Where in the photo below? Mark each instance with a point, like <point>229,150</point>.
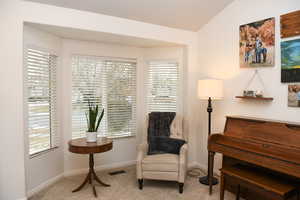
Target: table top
<point>80,146</point>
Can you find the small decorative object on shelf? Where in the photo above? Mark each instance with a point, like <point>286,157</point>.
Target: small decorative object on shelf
<point>249,93</point>
<point>259,93</point>
<point>93,121</point>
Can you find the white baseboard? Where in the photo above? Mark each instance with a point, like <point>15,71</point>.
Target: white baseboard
<point>100,168</point>
<point>192,165</point>
<point>44,185</point>
<point>202,167</point>
<point>76,172</point>
<point>197,165</point>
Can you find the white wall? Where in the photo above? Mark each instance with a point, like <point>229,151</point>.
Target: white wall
<point>219,57</point>
<point>41,168</point>
<point>12,173</point>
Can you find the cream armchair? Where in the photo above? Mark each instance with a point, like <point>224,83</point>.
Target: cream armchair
<point>169,167</point>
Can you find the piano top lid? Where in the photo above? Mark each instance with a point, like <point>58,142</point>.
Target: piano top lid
<point>263,131</point>
<point>257,119</point>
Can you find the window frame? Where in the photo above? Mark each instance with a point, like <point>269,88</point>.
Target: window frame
<point>134,114</point>
<point>179,85</point>
<point>54,139</point>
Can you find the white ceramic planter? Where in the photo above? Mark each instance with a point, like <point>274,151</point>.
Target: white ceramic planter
<point>91,136</point>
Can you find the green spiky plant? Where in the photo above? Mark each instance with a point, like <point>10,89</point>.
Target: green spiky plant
<point>93,118</point>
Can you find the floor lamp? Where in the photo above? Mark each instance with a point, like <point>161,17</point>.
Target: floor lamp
<point>209,89</point>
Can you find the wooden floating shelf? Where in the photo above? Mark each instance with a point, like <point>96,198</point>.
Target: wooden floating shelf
<point>256,98</point>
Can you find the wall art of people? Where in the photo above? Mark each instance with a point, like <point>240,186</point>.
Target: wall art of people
<point>257,44</point>
<point>294,96</point>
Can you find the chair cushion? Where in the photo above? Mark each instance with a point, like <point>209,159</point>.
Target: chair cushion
<point>161,162</point>
<point>161,145</point>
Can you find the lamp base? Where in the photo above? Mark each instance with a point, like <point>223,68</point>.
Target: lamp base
<point>205,180</point>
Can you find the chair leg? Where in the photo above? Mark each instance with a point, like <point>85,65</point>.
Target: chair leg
<point>141,181</point>
<point>181,187</point>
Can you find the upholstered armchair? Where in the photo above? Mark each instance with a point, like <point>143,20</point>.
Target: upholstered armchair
<point>169,167</point>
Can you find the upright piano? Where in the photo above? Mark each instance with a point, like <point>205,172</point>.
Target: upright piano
<point>272,146</point>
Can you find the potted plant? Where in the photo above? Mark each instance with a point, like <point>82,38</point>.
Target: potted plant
<point>93,118</point>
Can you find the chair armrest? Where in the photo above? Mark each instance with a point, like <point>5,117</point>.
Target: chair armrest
<point>143,147</point>
<point>142,151</point>
<point>183,154</point>
<point>183,162</point>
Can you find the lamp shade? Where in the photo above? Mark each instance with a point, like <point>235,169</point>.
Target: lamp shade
<point>212,88</point>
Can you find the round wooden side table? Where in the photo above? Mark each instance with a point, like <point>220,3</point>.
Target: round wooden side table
<point>80,146</point>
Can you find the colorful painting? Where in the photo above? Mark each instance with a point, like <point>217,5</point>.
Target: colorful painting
<point>257,44</point>
<point>294,96</point>
<point>290,61</point>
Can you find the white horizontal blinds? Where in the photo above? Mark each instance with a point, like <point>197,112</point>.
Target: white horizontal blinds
<point>87,78</point>
<point>163,77</point>
<point>41,100</point>
<point>120,91</point>
<point>111,84</point>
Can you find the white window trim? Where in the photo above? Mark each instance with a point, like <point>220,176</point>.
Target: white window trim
<point>180,84</point>
<point>133,59</point>
<point>25,99</point>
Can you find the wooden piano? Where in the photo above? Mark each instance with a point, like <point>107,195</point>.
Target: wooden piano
<point>273,146</point>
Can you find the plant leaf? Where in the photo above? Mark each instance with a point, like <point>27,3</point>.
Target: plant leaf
<point>99,119</point>
<point>87,119</point>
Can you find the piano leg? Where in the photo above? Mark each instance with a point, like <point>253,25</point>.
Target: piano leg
<point>211,170</point>
<point>222,187</point>
<point>238,192</point>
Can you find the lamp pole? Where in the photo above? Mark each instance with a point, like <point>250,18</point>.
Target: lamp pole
<point>209,110</point>
<point>205,179</point>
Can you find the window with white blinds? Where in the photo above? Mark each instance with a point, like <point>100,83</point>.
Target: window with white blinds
<point>111,83</point>
<point>41,100</point>
<point>163,78</point>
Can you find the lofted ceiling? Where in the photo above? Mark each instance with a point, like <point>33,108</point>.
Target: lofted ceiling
<point>182,14</point>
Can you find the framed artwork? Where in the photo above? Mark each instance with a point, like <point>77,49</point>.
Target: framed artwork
<point>290,24</point>
<point>290,61</point>
<point>294,96</point>
<point>257,44</point>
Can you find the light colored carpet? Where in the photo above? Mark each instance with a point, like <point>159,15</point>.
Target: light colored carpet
<point>125,187</point>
